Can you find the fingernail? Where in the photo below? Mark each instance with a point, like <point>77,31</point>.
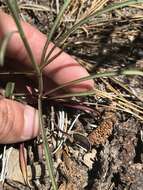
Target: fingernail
<point>31,123</point>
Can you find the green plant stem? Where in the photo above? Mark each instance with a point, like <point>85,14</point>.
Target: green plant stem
<point>48,157</point>
<point>43,59</point>
<point>58,19</point>
<point>51,59</point>
<point>44,52</point>
<point>79,94</point>
<point>12,5</point>
<point>18,73</point>
<point>50,36</point>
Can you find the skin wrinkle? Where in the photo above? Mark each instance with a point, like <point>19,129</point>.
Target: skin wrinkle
<point>16,122</point>
<point>12,120</point>
<point>4,119</point>
<point>4,122</point>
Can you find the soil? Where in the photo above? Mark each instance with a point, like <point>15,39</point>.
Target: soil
<point>104,148</point>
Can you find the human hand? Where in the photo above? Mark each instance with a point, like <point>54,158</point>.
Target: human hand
<point>19,122</point>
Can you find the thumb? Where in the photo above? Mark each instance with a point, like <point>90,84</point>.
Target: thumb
<point>18,122</point>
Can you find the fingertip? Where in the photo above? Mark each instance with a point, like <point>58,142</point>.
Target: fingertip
<point>31,123</point>
<point>18,122</point>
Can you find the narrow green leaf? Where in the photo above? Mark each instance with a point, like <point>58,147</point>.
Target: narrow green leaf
<point>58,19</point>
<point>97,75</point>
<point>9,89</point>
<point>69,95</point>
<point>13,7</point>
<point>49,161</point>
<point>44,58</point>
<point>3,46</point>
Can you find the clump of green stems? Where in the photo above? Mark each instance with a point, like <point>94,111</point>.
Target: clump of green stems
<point>46,59</point>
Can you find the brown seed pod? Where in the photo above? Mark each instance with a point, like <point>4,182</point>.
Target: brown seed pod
<point>100,134</point>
